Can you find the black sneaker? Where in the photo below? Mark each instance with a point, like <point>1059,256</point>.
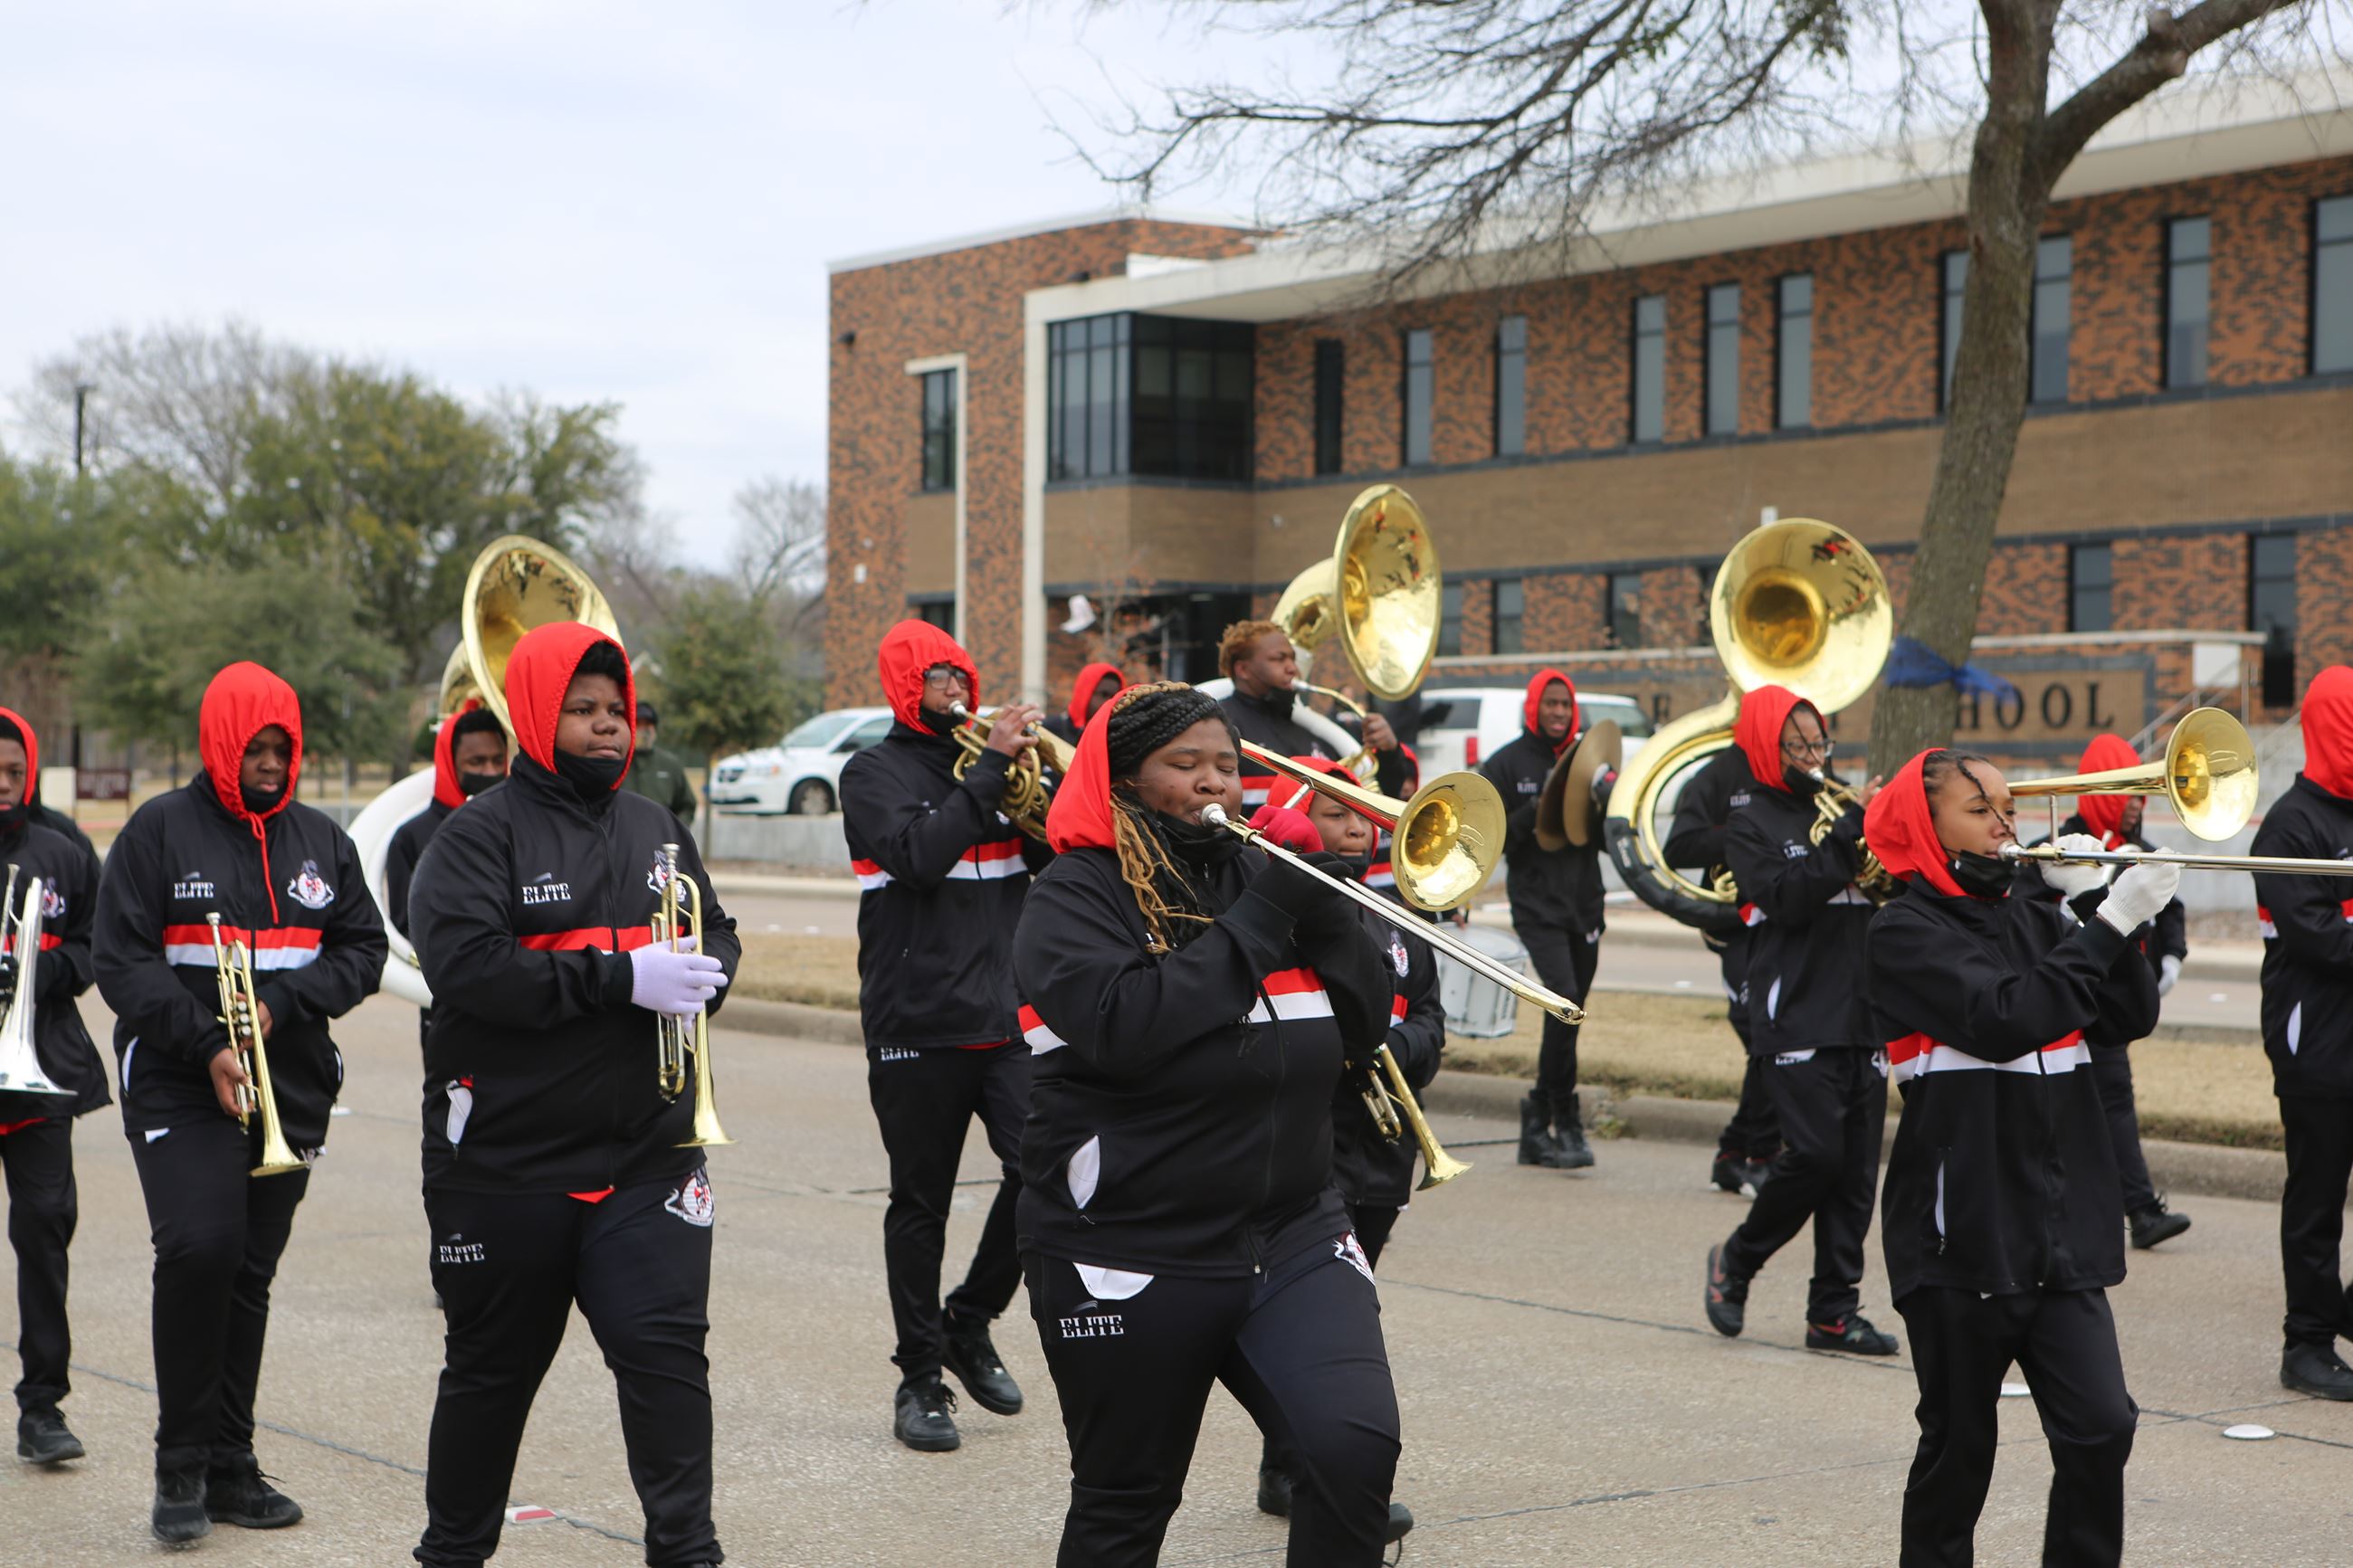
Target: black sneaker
<point>1852,1334</point>
<point>241,1494</point>
<point>1728,1296</point>
<point>179,1513</point>
<point>973,1358</point>
<point>1758,1171</point>
<point>42,1439</point>
<point>1400,1524</point>
<point>1273,1491</point>
<point>2154,1224</point>
<point>2316,1370</point>
<point>1730,1173</point>
<point>923,1421</point>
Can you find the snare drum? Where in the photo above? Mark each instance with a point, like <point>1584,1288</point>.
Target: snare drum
<point>1476,1007</point>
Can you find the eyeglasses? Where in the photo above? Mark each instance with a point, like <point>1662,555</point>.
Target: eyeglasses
<point>944,676</point>
<point>1797,750</point>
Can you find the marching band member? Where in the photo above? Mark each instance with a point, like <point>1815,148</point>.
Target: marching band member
<point>2111,822</point>
<point>1190,1003</point>
<point>1259,658</point>
<point>1809,1014</point>
<point>470,756</point>
<point>942,874</point>
<point>2004,1228</point>
<point>1556,897</point>
<point>286,881</point>
<point>1097,684</point>
<point>37,1130</point>
<point>556,1170</point>
<point>2307,1016</point>
<point>1745,1150</point>
<point>655,772</point>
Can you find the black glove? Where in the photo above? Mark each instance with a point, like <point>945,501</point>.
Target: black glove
<point>1298,893</point>
<point>1333,910</point>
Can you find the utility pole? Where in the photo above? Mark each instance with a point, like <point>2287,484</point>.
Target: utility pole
<point>82,389</point>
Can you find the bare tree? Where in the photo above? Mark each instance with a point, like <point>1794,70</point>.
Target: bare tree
<point>1437,132</point>
<point>780,538</point>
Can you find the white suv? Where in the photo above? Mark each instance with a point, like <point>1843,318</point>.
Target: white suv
<point>1462,727</point>
<point>802,773</point>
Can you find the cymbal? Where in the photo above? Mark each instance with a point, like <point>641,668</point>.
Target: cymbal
<point>1558,823</point>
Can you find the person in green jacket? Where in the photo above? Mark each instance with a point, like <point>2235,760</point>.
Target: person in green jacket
<point>655,772</point>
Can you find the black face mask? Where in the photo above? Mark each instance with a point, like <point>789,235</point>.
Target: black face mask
<point>1196,844</point>
<point>1279,702</point>
<point>1984,876</point>
<point>1802,784</point>
<point>471,784</point>
<point>591,778</point>
<point>13,818</point>
<point>1355,866</point>
<point>259,802</point>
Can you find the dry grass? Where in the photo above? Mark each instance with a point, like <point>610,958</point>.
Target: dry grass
<point>2209,1089</point>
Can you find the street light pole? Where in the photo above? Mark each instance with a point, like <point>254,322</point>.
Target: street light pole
<point>82,389</point>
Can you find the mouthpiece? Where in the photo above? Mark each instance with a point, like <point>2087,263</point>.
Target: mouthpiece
<point>1213,815</point>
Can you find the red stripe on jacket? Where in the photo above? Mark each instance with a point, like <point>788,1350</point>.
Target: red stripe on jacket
<point>583,938</point>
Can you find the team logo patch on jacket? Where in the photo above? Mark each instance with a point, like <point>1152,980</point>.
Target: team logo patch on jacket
<point>192,884</point>
<point>1399,960</point>
<point>309,888</point>
<point>692,1200</point>
<point>658,874</point>
<point>53,903</point>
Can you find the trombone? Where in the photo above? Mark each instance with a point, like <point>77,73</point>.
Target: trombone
<point>241,1010</point>
<point>678,920</point>
<point>1447,838</point>
<point>20,934</point>
<point>1025,794</point>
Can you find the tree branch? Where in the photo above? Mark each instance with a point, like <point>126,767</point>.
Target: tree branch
<point>2161,55</point>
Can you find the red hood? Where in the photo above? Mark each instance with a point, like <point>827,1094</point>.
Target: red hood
<point>2329,730</point>
<point>32,750</point>
<point>1079,817</point>
<point>1292,793</point>
<point>444,759</point>
<point>539,671</point>
<point>1901,831</point>
<point>1758,731</point>
<point>1083,689</point>
<point>243,700</point>
<point>2104,813</point>
<point>1536,684</point>
<point>909,649</point>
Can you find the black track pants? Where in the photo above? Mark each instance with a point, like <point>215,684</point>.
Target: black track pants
<point>1374,1222</point>
<point>1301,1349</point>
<point>1754,1132</point>
<point>1833,1111</point>
<point>925,1103</point>
<point>2312,1217</point>
<point>2065,1343</point>
<point>41,1213</point>
<point>2112,1073</point>
<point>1565,962</point>
<point>510,1267</point>
<point>218,1234</point>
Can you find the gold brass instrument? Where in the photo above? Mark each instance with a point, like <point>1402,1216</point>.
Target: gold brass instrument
<point>1386,1100</point>
<point>2208,775</point>
<point>676,923</point>
<point>1447,839</point>
<point>1798,603</point>
<point>1406,921</point>
<point>1380,593</point>
<point>20,934</point>
<point>241,1010</point>
<point>1026,793</point>
<point>516,585</point>
<point>1875,881</point>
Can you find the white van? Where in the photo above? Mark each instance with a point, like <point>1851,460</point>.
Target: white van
<point>1462,726</point>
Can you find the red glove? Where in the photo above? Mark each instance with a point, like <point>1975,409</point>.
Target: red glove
<point>1289,828</point>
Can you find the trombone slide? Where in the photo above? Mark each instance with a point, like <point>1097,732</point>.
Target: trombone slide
<point>2260,865</point>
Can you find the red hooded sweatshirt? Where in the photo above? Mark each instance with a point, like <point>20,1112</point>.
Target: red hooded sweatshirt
<point>2329,730</point>
<point>446,790</point>
<point>909,649</point>
<point>32,750</point>
<point>2104,813</point>
<point>243,700</point>
<point>1083,691</point>
<point>1901,829</point>
<point>1758,731</point>
<point>1080,816</point>
<point>540,671</point>
<point>1535,700</point>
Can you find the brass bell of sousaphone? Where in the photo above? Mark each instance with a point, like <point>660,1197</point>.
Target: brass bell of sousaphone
<point>1379,594</point>
<point>517,585</point>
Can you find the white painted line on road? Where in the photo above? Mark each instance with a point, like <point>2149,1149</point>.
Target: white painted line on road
<point>2218,996</point>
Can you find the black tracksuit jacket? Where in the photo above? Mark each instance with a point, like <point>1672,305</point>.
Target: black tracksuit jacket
<point>1561,888</point>
<point>59,973</point>
<point>540,1071</point>
<point>296,895</point>
<point>2307,927</point>
<point>1807,984</point>
<point>1180,1116</point>
<point>2004,1178</point>
<point>1695,842</point>
<point>940,874</point>
<point>402,855</point>
<point>1370,1168</point>
<point>1267,721</point>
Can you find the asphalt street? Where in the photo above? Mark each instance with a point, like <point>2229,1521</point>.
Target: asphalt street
<point>1564,1400</point>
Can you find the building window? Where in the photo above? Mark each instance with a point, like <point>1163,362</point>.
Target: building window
<point>2091,587</point>
<point>1449,618</point>
<point>1511,386</point>
<point>1087,397</point>
<point>2271,610</point>
<point>1625,609</point>
<point>1420,389</point>
<point>1955,282</point>
<point>939,429</point>
<point>2332,285</point>
<point>1793,359</point>
<point>940,613</point>
<point>2053,264</point>
<point>1510,602</point>
<point>1331,367</point>
<point>2187,244</point>
<point>1724,359</point>
<point>1649,392</point>
<point>1149,395</point>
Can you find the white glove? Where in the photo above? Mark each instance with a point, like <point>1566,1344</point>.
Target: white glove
<point>2071,882</point>
<point>2169,972</point>
<point>673,984</point>
<point>2138,893</point>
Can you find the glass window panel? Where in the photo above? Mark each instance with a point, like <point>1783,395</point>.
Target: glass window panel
<point>2332,285</point>
<point>1625,609</point>
<point>1449,617</point>
<point>2185,306</point>
<point>1420,388</point>
<point>1510,602</point>
<point>1723,359</point>
<point>1794,401</point>
<point>2270,580</point>
<point>1650,392</point>
<point>2090,573</point>
<point>1512,386</point>
<point>2054,263</point>
<point>1955,282</point>
<point>1330,362</point>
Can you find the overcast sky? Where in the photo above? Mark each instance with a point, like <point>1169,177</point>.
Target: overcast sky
<point>590,199</point>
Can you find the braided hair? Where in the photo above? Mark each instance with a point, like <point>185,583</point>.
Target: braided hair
<point>1942,764</point>
<point>1143,720</point>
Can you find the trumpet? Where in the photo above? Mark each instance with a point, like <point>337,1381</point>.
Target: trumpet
<point>1386,1099</point>
<point>677,921</point>
<point>241,1010</point>
<point>20,934</point>
<point>1026,794</point>
<point>1830,803</point>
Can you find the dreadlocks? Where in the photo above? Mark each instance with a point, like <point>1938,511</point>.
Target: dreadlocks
<point>1143,720</point>
<point>1237,640</point>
